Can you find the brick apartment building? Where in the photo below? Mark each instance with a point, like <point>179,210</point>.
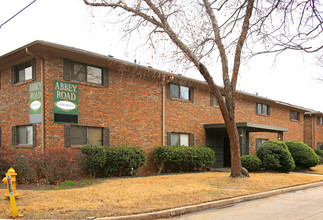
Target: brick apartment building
<point>88,98</point>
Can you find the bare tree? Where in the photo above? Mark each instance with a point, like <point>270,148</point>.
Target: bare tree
<point>202,29</point>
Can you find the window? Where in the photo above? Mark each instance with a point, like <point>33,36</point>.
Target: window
<point>85,136</point>
<point>294,115</point>
<point>319,120</point>
<point>320,146</point>
<point>213,100</point>
<point>85,73</point>
<point>24,135</point>
<point>259,142</point>
<point>23,72</point>
<point>182,139</point>
<point>262,109</point>
<point>180,92</point>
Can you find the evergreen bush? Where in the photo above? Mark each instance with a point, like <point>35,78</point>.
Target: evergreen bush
<point>275,156</point>
<point>95,158</point>
<point>123,160</point>
<point>319,153</point>
<point>251,162</point>
<point>303,155</point>
<point>181,158</point>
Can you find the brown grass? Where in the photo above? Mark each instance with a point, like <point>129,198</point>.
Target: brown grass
<point>121,196</point>
<point>316,170</point>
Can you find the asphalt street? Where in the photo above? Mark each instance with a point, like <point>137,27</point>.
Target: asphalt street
<point>299,205</point>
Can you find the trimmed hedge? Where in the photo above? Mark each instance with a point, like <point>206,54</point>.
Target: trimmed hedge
<point>251,162</point>
<point>95,158</point>
<point>113,161</point>
<point>275,156</point>
<point>303,155</point>
<point>319,153</point>
<point>123,160</point>
<point>181,158</point>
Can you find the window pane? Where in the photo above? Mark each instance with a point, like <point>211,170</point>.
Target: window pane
<point>184,140</point>
<point>94,75</point>
<point>174,140</point>
<point>94,136</point>
<point>258,108</point>
<point>185,93</point>
<point>29,131</point>
<point>21,76</point>
<point>174,91</point>
<point>25,135</point>
<point>22,135</point>
<point>264,109</point>
<point>78,72</point>
<point>78,135</point>
<point>28,73</point>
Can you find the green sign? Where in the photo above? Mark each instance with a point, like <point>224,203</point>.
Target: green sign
<point>65,98</point>
<point>35,102</point>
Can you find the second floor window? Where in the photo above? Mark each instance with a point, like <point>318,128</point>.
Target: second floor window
<point>213,100</point>
<point>320,120</point>
<point>294,115</point>
<point>180,92</point>
<point>23,72</point>
<point>85,73</point>
<point>262,109</point>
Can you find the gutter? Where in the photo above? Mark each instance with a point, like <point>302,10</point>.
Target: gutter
<point>42,99</point>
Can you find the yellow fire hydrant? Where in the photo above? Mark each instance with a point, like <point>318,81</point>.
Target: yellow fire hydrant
<point>11,172</point>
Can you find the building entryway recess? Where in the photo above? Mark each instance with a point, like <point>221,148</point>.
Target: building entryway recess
<point>216,138</point>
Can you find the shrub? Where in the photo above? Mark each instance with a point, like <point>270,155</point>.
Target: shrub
<point>319,153</point>
<point>251,162</point>
<point>123,160</point>
<point>303,155</point>
<point>179,158</point>
<point>275,156</point>
<point>15,158</point>
<point>95,158</point>
<point>56,164</point>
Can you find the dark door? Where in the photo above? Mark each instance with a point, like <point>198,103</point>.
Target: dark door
<point>227,152</point>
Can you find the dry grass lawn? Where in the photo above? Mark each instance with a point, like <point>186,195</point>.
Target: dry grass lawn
<point>121,196</point>
<point>316,170</point>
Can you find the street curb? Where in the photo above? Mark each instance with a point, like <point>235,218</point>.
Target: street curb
<point>192,208</point>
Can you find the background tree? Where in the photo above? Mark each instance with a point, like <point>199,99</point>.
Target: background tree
<point>226,29</point>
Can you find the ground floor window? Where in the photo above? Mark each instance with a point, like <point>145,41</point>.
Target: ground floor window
<point>86,136</point>
<point>182,139</point>
<point>24,135</point>
<point>260,141</point>
<point>320,146</point>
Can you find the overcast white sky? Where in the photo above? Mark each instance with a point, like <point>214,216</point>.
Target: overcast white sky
<point>291,79</point>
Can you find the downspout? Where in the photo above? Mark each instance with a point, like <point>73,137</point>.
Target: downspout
<point>313,138</point>
<point>163,109</point>
<point>42,99</point>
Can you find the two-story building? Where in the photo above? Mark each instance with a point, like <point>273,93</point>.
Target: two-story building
<point>53,95</point>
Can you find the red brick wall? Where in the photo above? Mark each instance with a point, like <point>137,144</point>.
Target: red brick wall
<point>14,107</point>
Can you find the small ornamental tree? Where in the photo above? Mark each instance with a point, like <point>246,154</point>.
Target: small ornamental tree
<point>275,156</point>
<point>303,155</point>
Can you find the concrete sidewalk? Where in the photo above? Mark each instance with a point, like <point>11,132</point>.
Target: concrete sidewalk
<point>192,208</point>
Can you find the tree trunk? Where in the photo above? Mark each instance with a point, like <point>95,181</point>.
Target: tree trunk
<point>236,169</point>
